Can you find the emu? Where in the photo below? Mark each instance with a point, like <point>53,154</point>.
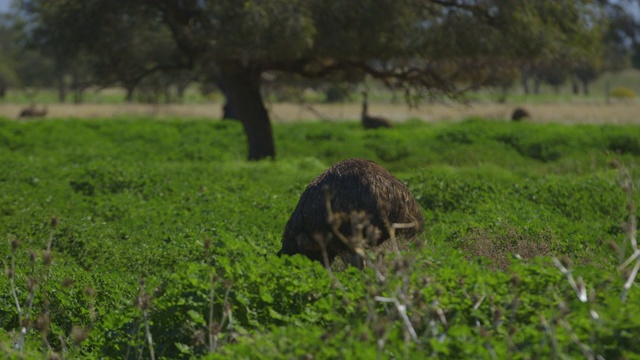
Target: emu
<point>32,111</point>
<point>350,206</point>
<point>519,114</point>
<point>372,122</point>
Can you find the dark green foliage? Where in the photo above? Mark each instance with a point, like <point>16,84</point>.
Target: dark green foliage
<point>172,203</point>
<point>624,144</point>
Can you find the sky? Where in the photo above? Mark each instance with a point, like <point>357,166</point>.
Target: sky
<point>4,5</point>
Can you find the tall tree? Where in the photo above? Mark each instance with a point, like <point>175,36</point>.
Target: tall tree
<point>8,76</point>
<point>419,45</point>
<point>621,37</point>
<point>118,40</point>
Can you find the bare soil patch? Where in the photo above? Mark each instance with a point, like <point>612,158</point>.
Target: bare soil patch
<point>614,113</point>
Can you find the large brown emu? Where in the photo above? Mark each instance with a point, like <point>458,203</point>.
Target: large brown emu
<point>352,205</point>
<point>519,114</point>
<point>32,111</point>
<point>372,122</point>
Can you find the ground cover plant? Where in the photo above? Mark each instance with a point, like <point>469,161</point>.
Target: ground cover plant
<point>138,238</point>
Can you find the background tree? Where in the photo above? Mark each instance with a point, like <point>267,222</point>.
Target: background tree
<point>437,47</point>
<point>129,48</point>
<point>556,76</point>
<point>585,73</point>
<point>503,79</point>
<point>8,76</point>
<point>621,37</point>
<point>572,51</point>
<point>35,72</point>
<point>116,40</point>
<point>164,86</point>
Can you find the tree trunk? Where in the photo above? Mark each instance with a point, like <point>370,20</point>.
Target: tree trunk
<point>504,92</point>
<point>585,87</point>
<point>242,86</point>
<point>62,90</point>
<point>536,85</point>
<point>228,109</point>
<point>525,82</point>
<point>524,79</point>
<point>78,95</point>
<point>75,88</point>
<point>180,90</point>
<point>130,89</point>
<point>574,85</point>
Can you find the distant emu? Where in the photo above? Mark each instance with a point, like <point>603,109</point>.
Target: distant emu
<point>351,205</point>
<point>372,122</point>
<point>519,114</point>
<point>32,111</point>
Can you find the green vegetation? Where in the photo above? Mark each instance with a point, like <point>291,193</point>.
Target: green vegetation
<point>623,93</point>
<point>125,235</point>
<point>629,79</point>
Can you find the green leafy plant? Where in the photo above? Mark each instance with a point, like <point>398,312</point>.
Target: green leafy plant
<point>527,249</point>
<point>623,93</point>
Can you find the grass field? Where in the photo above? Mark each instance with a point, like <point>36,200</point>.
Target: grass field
<point>622,112</point>
<point>130,237</point>
<point>548,106</point>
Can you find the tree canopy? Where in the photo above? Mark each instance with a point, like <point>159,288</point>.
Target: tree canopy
<point>436,47</point>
